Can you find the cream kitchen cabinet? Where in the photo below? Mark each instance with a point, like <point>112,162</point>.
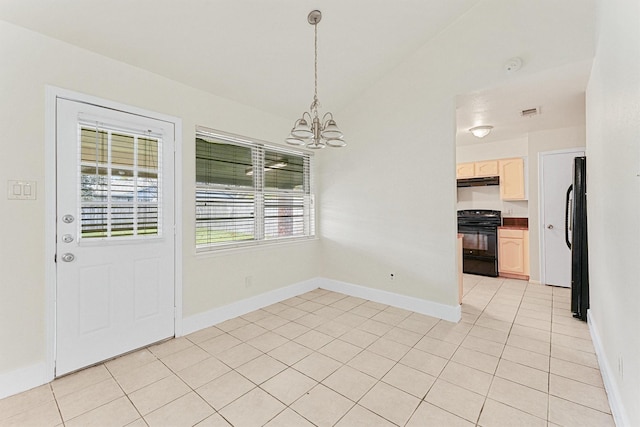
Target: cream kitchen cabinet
<point>512,183</point>
<point>487,168</point>
<point>465,170</point>
<point>477,169</point>
<point>513,253</point>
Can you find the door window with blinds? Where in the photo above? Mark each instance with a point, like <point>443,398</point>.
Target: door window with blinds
<point>249,193</point>
<point>120,179</point>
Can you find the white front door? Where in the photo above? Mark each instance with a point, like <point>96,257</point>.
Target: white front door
<point>557,176</point>
<point>115,233</point>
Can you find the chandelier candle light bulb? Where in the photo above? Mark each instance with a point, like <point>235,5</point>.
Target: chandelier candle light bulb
<point>309,130</point>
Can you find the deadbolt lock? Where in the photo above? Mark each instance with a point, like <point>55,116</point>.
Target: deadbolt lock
<point>68,257</point>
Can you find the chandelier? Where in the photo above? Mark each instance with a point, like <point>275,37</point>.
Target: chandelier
<point>309,130</point>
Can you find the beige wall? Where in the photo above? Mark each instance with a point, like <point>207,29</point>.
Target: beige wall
<point>613,202</point>
<point>31,61</point>
<point>503,149</point>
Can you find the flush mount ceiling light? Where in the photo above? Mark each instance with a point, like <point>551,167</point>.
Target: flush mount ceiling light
<point>309,130</point>
<point>481,131</point>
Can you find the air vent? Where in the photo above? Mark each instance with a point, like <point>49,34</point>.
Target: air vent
<point>530,112</point>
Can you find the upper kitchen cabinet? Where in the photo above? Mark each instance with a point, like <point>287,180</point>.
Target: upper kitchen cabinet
<point>486,168</point>
<point>477,169</point>
<point>465,170</point>
<point>512,186</point>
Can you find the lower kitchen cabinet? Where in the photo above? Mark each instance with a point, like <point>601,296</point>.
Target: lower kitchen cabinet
<point>513,253</point>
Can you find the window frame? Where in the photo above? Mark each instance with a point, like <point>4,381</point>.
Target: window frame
<point>258,150</point>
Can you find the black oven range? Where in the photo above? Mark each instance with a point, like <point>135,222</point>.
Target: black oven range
<point>479,229</point>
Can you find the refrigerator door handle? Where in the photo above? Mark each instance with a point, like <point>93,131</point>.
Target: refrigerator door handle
<point>567,209</point>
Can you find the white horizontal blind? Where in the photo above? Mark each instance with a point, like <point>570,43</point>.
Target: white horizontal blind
<point>247,192</point>
<point>225,193</point>
<point>120,179</point>
<point>284,195</point>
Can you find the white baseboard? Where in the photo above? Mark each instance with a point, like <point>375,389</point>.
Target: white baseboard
<point>452,313</point>
<point>608,377</point>
<point>220,314</point>
<point>23,379</point>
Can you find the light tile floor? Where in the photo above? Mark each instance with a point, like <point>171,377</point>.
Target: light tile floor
<point>517,358</point>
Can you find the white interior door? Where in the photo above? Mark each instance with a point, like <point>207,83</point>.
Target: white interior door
<point>115,233</point>
<point>557,176</point>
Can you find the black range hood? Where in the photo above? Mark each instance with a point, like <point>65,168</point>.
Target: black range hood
<point>479,182</point>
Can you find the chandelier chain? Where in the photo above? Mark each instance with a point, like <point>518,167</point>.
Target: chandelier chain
<point>315,65</point>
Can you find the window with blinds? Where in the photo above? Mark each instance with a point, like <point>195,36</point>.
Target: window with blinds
<point>247,192</point>
<point>119,182</point>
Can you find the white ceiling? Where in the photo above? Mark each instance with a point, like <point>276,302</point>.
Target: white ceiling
<point>558,94</point>
<point>260,53</point>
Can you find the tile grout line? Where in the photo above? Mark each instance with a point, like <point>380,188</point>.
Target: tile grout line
<point>55,398</point>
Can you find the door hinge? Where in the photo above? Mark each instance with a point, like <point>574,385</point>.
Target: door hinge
<point>55,258</point>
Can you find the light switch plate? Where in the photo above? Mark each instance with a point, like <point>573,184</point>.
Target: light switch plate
<point>21,190</point>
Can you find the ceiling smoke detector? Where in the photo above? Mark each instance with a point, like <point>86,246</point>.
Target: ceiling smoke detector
<point>530,112</point>
<point>513,65</point>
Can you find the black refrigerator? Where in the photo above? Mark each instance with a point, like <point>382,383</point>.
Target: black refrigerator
<point>576,238</point>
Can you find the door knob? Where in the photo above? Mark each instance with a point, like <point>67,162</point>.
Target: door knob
<point>550,226</point>
<point>68,257</point>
